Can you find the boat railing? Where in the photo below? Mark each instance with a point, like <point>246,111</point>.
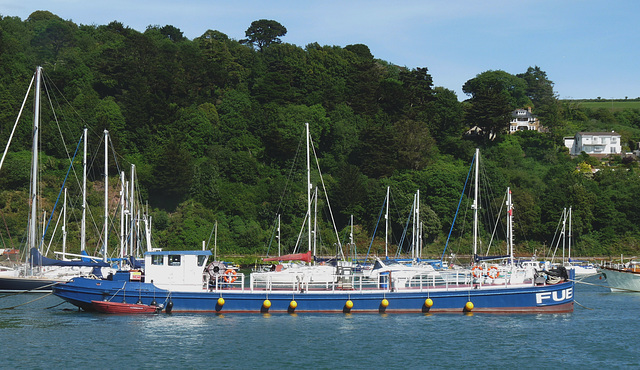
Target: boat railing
<point>357,282</point>
<point>444,279</point>
<point>464,277</point>
<point>631,266</point>
<point>269,284</point>
<point>225,282</point>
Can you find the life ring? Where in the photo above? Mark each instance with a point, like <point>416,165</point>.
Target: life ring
<point>230,276</point>
<point>476,271</point>
<point>493,272</point>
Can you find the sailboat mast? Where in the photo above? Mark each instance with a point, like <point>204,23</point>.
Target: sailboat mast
<point>64,226</point>
<point>147,228</point>
<point>569,234</point>
<point>413,225</point>
<point>386,227</point>
<point>351,243</point>
<point>315,220</point>
<point>106,194</point>
<point>510,224</point>
<point>123,201</point>
<point>564,232</point>
<point>278,234</point>
<point>215,241</point>
<point>475,205</point>
<point>132,204</point>
<point>34,162</point>
<point>83,228</point>
<point>308,185</point>
<point>418,226</point>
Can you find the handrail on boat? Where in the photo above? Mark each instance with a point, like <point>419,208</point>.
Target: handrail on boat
<point>444,279</point>
<point>223,282</point>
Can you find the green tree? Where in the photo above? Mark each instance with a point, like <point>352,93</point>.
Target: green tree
<point>515,88</point>
<point>490,111</point>
<point>172,175</point>
<point>540,91</point>
<point>416,148</point>
<point>173,33</point>
<point>418,84</point>
<point>494,95</point>
<point>264,32</point>
<point>445,115</point>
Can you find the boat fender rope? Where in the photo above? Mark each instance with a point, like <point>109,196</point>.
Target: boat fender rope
<point>30,290</point>
<point>22,304</point>
<point>581,305</point>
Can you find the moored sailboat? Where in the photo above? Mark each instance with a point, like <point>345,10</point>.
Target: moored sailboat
<point>38,273</point>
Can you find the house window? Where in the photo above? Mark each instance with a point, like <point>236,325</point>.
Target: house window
<point>613,140</point>
<point>157,260</point>
<point>174,260</point>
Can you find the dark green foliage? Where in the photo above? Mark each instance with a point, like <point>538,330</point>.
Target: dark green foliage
<point>216,128</point>
<point>264,32</point>
<point>540,91</point>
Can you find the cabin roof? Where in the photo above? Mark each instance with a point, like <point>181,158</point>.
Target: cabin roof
<point>163,253</point>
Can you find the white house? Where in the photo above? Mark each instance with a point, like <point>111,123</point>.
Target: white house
<point>523,120</point>
<point>594,143</point>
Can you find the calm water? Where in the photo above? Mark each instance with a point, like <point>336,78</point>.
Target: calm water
<point>604,336</point>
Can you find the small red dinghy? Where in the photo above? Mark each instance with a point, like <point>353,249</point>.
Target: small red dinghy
<point>118,307</point>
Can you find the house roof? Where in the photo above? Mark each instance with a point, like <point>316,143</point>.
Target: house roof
<point>526,113</point>
<point>598,133</point>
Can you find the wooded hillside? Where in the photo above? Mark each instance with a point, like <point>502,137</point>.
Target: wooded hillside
<point>215,127</point>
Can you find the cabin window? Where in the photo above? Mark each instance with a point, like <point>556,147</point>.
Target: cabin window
<point>202,260</point>
<point>174,260</point>
<point>156,260</point>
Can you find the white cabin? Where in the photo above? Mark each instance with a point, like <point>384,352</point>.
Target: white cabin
<point>175,270</point>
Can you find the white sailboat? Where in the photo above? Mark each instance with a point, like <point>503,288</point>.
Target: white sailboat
<point>32,275</point>
<point>582,268</point>
<point>509,271</point>
<point>296,272</point>
<point>41,273</point>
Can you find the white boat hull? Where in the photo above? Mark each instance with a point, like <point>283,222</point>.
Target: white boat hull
<point>620,280</point>
<point>584,271</point>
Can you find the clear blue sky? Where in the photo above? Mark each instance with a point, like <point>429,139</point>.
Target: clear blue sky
<point>589,48</point>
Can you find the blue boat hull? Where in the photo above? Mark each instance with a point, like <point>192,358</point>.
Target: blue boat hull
<point>26,284</point>
<point>530,299</point>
